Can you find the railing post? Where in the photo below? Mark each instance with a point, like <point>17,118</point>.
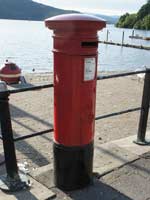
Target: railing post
<point>144,111</point>
<point>13,180</point>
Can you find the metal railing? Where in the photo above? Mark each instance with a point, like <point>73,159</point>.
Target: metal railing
<point>144,105</point>
<point>31,88</point>
<point>13,181</point>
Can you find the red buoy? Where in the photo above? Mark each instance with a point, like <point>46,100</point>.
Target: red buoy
<point>10,73</point>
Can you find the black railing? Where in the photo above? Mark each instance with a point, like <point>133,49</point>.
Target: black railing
<point>33,135</point>
<point>7,133</point>
<point>13,180</point>
<point>144,105</point>
<point>100,77</point>
<point>30,88</point>
<point>117,113</point>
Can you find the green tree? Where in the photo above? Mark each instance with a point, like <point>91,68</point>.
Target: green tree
<point>141,20</point>
<point>145,10</point>
<point>130,21</point>
<point>146,22</point>
<point>121,20</point>
<point>127,21</point>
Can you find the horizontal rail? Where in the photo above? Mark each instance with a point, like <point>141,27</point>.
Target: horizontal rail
<point>118,113</point>
<point>30,88</point>
<point>101,77</point>
<point>33,135</point>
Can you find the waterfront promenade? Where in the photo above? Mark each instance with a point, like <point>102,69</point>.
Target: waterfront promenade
<point>121,168</point>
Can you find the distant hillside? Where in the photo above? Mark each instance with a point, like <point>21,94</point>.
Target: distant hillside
<point>140,20</point>
<point>28,10</point>
<point>109,19</point>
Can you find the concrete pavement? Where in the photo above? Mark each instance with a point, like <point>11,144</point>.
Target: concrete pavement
<point>121,172</point>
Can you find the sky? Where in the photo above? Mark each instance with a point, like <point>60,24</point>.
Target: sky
<point>108,7</point>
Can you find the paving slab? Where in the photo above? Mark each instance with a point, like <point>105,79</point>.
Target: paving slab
<point>36,192</point>
<point>109,156</point>
<point>129,145</point>
<point>96,191</point>
<point>44,175</point>
<point>132,180</point>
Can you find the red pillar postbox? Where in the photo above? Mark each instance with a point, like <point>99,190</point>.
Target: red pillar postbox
<point>75,72</point>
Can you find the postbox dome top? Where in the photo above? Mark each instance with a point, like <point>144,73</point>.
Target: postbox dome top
<point>75,21</point>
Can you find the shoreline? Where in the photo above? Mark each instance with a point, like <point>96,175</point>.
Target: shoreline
<point>98,72</point>
<point>48,76</point>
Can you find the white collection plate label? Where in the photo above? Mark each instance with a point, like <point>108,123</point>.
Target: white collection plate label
<point>89,69</point>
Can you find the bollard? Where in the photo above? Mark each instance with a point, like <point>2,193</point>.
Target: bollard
<point>75,73</point>
<point>13,180</point>
<point>144,111</point>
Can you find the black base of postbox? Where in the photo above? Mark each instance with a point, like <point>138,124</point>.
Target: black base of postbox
<point>72,166</point>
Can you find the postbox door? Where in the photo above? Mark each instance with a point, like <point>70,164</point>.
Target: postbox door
<point>88,94</point>
<point>74,102</point>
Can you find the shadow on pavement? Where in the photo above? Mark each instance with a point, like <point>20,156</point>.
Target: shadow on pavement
<point>18,113</point>
<point>23,146</point>
<point>98,191</point>
<point>23,195</point>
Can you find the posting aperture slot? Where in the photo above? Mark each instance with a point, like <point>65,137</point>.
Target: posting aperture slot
<point>89,44</point>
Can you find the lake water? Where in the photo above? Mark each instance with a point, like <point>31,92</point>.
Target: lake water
<point>29,44</point>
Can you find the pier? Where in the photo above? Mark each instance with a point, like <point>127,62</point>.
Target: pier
<point>126,45</point>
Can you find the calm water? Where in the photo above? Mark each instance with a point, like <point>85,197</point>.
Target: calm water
<point>29,44</point>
